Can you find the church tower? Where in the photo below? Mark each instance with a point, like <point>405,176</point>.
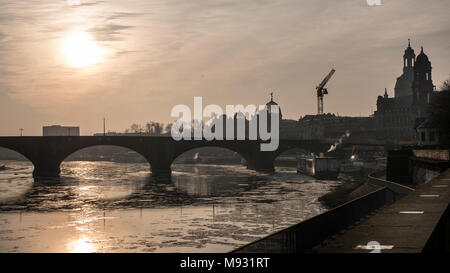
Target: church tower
<point>403,86</point>
<point>408,57</point>
<point>422,84</point>
<point>270,109</point>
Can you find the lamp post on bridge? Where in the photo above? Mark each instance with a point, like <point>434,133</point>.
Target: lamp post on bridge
<point>21,131</point>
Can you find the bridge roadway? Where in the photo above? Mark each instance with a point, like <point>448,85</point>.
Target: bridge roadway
<point>418,222</point>
<point>47,153</point>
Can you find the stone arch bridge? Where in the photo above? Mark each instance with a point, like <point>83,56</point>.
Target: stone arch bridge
<point>47,153</point>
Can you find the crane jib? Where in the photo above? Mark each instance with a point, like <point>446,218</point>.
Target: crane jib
<point>321,91</point>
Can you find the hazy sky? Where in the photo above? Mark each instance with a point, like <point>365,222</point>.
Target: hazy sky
<point>75,62</point>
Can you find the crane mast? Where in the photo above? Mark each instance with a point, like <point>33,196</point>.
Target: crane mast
<point>321,91</point>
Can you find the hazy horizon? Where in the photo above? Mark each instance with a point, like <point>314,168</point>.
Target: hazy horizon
<point>144,57</point>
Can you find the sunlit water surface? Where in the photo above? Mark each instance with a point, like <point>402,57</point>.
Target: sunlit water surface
<point>117,207</point>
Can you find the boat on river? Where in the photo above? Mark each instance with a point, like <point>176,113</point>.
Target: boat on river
<point>321,167</point>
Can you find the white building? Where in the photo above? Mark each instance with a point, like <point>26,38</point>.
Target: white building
<point>58,130</point>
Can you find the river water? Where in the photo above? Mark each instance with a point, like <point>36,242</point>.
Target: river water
<point>117,207</point>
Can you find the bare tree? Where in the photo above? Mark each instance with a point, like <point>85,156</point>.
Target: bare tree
<point>157,128</point>
<point>168,129</point>
<point>135,128</point>
<point>149,128</point>
<point>439,111</point>
<point>446,85</point>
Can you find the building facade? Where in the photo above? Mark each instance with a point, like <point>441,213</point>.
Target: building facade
<point>332,126</point>
<point>58,130</point>
<point>397,118</point>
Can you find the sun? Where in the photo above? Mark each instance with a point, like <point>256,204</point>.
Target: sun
<point>80,50</point>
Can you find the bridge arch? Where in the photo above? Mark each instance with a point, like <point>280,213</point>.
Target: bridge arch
<point>111,152</point>
<point>22,150</point>
<point>47,153</point>
<point>18,170</point>
<point>85,163</point>
<point>287,157</point>
<point>202,150</point>
<point>21,155</point>
<point>248,150</point>
<point>13,161</point>
<point>185,150</point>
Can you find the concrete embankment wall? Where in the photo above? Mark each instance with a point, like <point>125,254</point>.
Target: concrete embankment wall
<point>416,166</point>
<point>304,236</point>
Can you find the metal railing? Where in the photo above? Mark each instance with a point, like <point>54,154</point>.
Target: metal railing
<point>395,187</point>
<point>302,237</point>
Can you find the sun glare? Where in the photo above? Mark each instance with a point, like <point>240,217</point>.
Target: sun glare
<point>80,50</point>
<point>82,245</point>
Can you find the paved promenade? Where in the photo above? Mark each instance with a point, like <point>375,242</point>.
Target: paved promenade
<point>416,223</point>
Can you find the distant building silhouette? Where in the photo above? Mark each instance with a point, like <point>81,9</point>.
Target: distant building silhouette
<point>404,118</point>
<point>58,130</point>
<point>288,128</point>
<point>397,118</point>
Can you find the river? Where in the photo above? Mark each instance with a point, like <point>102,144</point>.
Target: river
<point>117,207</point>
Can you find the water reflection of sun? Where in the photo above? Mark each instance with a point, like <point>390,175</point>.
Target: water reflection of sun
<point>82,245</point>
<point>80,50</point>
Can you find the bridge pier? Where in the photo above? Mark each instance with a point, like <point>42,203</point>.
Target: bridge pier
<point>46,169</point>
<point>163,174</point>
<point>262,162</point>
<point>161,168</point>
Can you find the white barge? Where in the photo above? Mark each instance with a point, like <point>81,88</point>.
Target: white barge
<point>321,167</point>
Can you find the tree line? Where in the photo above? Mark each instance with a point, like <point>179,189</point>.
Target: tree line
<point>150,128</point>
